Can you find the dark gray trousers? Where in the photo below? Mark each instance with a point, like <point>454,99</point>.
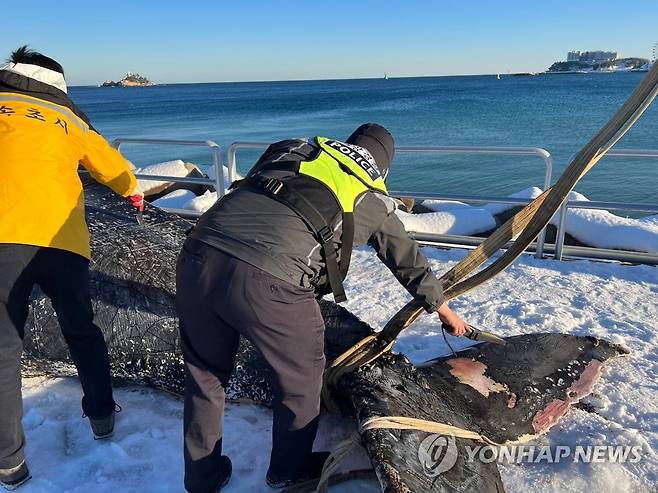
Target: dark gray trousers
<point>218,299</point>
<point>64,278</point>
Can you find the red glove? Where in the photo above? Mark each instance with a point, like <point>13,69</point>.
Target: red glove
<point>137,201</point>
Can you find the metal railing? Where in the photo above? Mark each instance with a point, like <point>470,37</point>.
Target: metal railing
<point>539,247</point>
<point>561,248</point>
<point>215,151</point>
<point>499,151</point>
<point>570,250</point>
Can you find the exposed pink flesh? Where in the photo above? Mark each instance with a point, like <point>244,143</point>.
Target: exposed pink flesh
<point>471,372</point>
<point>558,408</point>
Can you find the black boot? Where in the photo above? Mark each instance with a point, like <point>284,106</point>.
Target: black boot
<point>291,448</point>
<point>312,472</point>
<point>226,469</point>
<point>102,427</point>
<point>10,479</point>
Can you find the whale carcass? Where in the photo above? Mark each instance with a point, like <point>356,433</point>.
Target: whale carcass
<point>505,393</point>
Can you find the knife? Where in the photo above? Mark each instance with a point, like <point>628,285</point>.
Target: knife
<point>476,334</point>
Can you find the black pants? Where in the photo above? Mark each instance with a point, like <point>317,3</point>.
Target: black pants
<point>64,278</point>
<point>218,299</point>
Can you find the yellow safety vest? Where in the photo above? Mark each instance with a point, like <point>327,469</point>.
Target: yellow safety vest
<point>322,191</point>
<point>345,171</point>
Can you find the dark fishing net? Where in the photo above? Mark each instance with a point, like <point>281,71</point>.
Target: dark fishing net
<point>133,285</point>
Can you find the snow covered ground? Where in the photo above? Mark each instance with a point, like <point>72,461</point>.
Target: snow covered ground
<point>607,300</point>
<point>145,454</point>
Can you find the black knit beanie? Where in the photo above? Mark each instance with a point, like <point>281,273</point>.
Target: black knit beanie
<point>378,141</point>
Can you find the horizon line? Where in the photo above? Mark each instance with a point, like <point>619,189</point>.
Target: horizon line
<point>329,79</point>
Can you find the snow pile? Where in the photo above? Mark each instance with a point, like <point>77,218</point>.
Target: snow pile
<point>175,168</point>
<point>184,199</point>
<point>598,228</point>
<point>606,230</point>
<point>201,203</point>
<point>606,300</point>
<point>175,200</point>
<point>450,217</point>
<point>592,227</point>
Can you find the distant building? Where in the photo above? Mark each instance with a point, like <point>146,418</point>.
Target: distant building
<point>591,57</point>
<point>599,60</point>
<point>597,56</point>
<point>573,56</point>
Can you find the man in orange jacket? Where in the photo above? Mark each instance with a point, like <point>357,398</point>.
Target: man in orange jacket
<point>44,238</point>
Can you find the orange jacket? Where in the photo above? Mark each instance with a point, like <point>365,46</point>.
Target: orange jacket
<point>41,196</point>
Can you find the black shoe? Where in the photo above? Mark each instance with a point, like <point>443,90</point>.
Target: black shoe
<point>226,467</point>
<point>10,479</point>
<point>312,472</point>
<point>102,427</point>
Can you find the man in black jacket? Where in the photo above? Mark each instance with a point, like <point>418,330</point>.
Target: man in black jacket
<point>253,266</point>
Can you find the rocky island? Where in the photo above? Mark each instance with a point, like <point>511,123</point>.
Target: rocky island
<point>130,80</point>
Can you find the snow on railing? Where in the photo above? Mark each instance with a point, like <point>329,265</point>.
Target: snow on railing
<point>560,247</point>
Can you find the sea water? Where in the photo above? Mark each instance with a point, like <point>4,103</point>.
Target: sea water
<point>559,113</point>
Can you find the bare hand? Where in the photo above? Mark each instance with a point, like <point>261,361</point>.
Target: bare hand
<point>451,319</point>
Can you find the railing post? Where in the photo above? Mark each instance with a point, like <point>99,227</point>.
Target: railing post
<point>561,229</point>
<point>220,186</point>
<point>541,240</point>
<point>548,176</point>
<point>232,163</point>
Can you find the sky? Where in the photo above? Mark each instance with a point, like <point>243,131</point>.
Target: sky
<point>215,41</point>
